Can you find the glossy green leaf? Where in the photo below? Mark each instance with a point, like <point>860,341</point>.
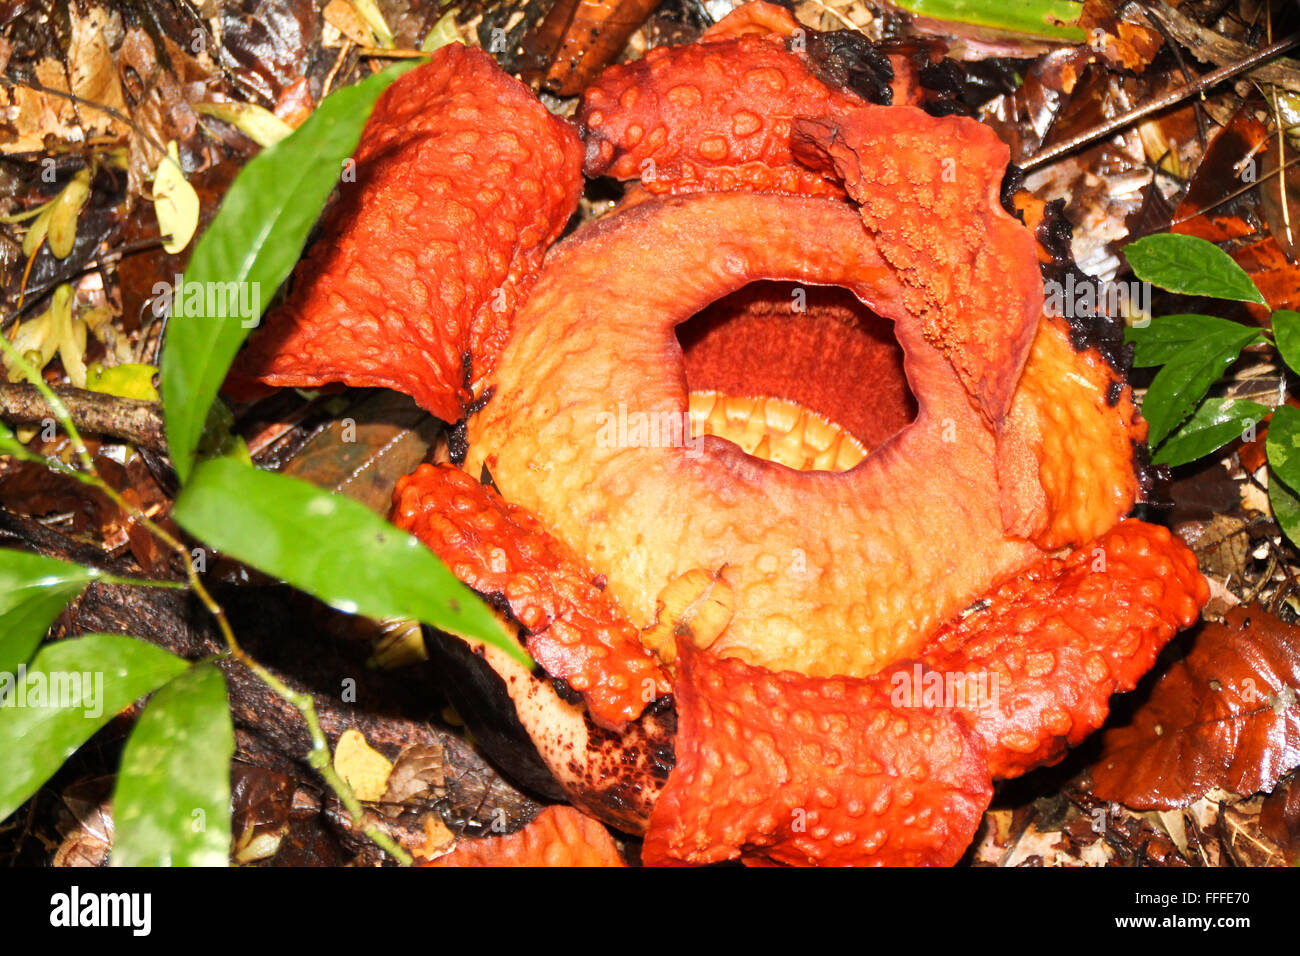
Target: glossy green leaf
<point>1283,448</point>
<point>1286,334</point>
<point>1052,19</point>
<point>1215,423</point>
<point>1283,444</point>
<point>1183,382</point>
<point>1166,336</point>
<point>172,802</point>
<point>1286,507</point>
<point>36,736</point>
<point>332,547</point>
<point>33,590</point>
<point>248,250</point>
<point>1192,266</point>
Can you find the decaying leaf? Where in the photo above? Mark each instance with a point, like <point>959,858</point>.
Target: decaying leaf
<point>1279,818</point>
<point>89,74</point>
<point>1226,715</point>
<point>1222,545</point>
<point>362,454</point>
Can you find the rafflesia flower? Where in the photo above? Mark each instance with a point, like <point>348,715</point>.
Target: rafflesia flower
<point>812,520</point>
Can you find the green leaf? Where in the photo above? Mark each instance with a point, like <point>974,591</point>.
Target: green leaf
<point>36,737</point>
<point>1286,507</point>
<point>1053,19</point>
<point>1217,422</point>
<point>1283,444</point>
<point>1283,448</point>
<point>1165,337</point>
<point>172,802</point>
<point>1182,383</point>
<point>332,547</point>
<point>1286,333</point>
<point>1192,266</point>
<point>33,590</point>
<point>250,247</point>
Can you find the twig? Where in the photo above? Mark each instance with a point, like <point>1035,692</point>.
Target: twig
<point>79,101</point>
<point>1198,109</point>
<point>1211,47</point>
<point>138,422</point>
<point>1124,120</point>
<point>1235,193</point>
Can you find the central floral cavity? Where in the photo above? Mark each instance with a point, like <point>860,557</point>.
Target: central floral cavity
<point>803,375</point>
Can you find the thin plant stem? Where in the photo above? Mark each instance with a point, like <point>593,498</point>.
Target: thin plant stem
<point>319,755</point>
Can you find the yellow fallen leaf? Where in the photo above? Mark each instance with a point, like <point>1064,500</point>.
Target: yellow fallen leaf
<point>256,122</point>
<point>132,380</point>
<point>174,201</point>
<point>365,769</point>
<point>37,231</point>
<point>64,212</point>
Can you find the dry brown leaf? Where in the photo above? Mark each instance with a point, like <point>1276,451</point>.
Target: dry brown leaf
<point>91,75</point>
<point>1226,715</point>
<point>1123,43</point>
<point>418,774</point>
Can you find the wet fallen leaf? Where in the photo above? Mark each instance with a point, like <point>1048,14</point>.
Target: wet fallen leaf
<point>1226,715</point>
<point>129,380</point>
<point>1279,818</point>
<point>362,455</point>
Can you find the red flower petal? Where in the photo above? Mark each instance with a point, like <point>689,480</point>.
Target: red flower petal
<point>576,632</point>
<point>977,288</point>
<point>1061,638</point>
<point>713,115</point>
<point>886,769</point>
<point>462,181</point>
<point>558,836</point>
<point>791,769</point>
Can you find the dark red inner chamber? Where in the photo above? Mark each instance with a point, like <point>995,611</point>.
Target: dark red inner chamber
<point>836,357</point>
